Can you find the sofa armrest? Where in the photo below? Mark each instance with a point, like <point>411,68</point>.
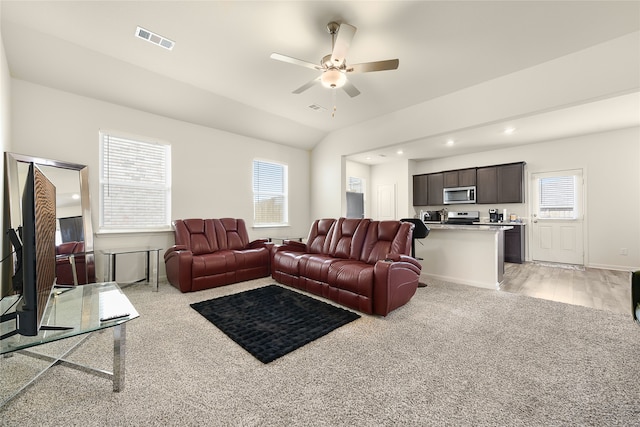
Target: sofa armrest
<point>404,258</point>
<point>260,243</point>
<point>171,250</point>
<point>291,245</point>
<point>395,281</point>
<point>178,262</point>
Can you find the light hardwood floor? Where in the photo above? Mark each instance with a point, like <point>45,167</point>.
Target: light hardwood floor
<point>602,289</point>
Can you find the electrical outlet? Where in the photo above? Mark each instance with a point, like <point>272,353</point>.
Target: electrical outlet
<point>624,251</point>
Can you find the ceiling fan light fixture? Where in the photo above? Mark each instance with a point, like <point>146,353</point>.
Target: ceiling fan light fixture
<point>333,78</point>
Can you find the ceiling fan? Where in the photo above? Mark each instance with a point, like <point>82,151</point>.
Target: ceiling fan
<point>334,66</point>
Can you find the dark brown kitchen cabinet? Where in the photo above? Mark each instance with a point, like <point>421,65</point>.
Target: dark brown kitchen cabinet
<point>510,183</point>
<point>487,185</point>
<point>500,184</point>
<point>514,244</point>
<point>420,187</point>
<point>435,186</point>
<point>460,178</point>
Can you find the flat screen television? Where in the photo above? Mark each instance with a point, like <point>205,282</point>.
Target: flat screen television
<point>38,233</point>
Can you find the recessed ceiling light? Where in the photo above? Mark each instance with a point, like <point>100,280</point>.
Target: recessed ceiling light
<point>450,142</point>
<point>154,38</point>
<point>509,130</point>
<point>399,152</point>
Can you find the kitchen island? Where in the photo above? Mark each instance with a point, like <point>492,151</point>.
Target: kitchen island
<point>466,254</point>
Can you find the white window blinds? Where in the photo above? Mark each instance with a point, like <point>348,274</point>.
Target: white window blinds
<point>270,198</point>
<point>557,197</point>
<point>355,184</point>
<point>135,184</point>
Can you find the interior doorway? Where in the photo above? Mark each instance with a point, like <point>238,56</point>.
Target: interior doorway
<point>557,217</point>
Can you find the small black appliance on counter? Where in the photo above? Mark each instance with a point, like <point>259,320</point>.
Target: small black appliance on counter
<point>493,215</point>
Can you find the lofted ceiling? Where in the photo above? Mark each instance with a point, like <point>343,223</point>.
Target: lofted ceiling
<point>219,74</point>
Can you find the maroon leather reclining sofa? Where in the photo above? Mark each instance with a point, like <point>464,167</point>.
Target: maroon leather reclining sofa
<point>358,263</point>
<point>214,252</point>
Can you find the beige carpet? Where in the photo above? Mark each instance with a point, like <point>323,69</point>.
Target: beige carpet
<point>455,355</point>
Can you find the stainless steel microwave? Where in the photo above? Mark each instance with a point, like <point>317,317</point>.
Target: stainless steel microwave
<point>459,195</point>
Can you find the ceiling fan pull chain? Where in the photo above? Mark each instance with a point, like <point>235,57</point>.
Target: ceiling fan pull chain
<point>333,96</point>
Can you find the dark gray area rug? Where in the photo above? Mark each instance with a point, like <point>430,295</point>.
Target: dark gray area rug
<point>272,321</point>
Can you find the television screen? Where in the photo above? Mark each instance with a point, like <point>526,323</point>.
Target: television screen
<point>38,249</point>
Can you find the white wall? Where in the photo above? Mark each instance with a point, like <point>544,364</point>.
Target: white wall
<point>5,121</point>
<point>211,169</point>
<point>609,161</point>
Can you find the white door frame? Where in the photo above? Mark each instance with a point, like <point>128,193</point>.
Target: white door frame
<point>533,203</point>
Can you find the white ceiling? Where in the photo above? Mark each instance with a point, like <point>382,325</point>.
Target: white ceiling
<point>220,75</point>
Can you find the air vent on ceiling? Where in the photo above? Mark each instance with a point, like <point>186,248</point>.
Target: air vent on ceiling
<point>154,38</point>
<point>317,107</point>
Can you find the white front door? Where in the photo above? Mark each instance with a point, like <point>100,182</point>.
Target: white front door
<point>557,217</point>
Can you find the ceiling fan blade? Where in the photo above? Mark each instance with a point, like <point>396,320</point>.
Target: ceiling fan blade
<point>367,67</point>
<point>306,86</point>
<point>342,43</point>
<point>350,89</point>
<point>290,60</point>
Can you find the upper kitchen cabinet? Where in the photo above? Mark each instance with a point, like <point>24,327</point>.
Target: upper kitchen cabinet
<point>500,184</point>
<point>435,186</point>
<point>511,183</point>
<point>487,185</point>
<point>420,187</point>
<point>460,178</point>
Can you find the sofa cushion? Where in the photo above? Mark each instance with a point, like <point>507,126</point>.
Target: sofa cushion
<point>319,236</point>
<point>232,233</point>
<point>352,276</point>
<point>214,263</point>
<point>347,238</point>
<point>198,235</point>
<point>386,237</point>
<point>315,266</point>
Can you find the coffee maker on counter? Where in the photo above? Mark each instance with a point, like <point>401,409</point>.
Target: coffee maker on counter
<point>494,216</point>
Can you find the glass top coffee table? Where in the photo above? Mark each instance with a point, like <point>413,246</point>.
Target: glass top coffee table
<point>76,310</point>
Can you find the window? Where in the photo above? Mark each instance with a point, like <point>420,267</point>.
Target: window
<point>135,184</point>
<point>270,194</point>
<point>355,184</point>
<point>557,197</point>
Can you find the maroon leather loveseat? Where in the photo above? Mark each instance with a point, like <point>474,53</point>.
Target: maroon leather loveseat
<point>214,252</point>
<point>358,263</point>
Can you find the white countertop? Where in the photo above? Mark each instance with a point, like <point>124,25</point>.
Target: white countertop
<point>475,227</point>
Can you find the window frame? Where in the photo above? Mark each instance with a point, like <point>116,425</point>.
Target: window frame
<point>103,182</point>
<point>546,213</point>
<point>284,194</point>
